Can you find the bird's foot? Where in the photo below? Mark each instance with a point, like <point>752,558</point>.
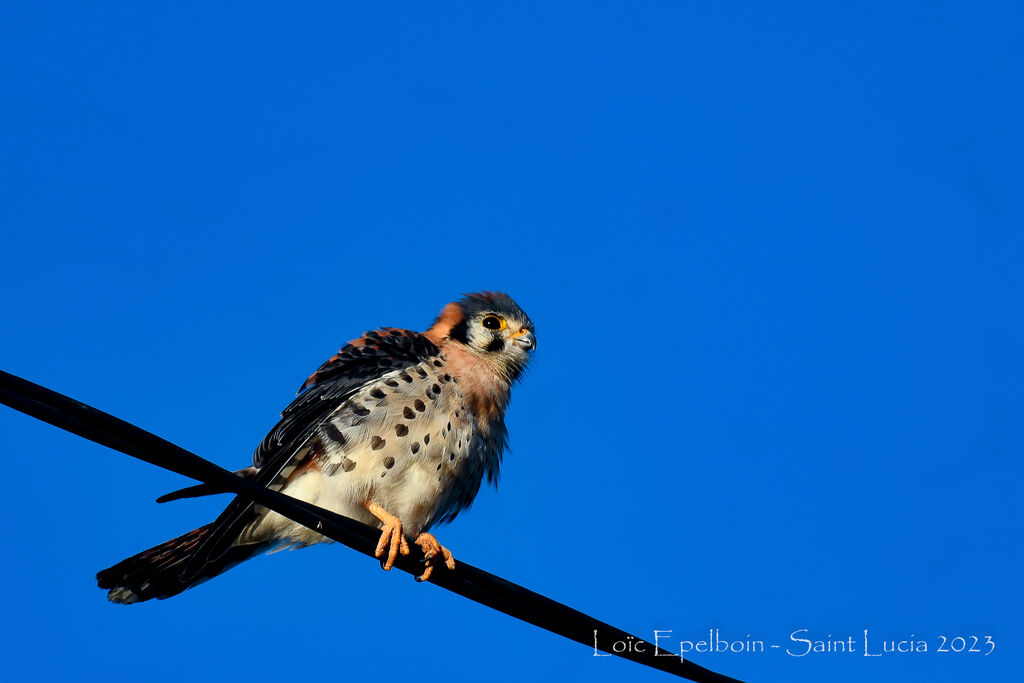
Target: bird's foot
<point>432,553</point>
<point>391,536</point>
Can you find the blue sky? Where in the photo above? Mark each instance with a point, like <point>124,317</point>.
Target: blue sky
<point>772,254</point>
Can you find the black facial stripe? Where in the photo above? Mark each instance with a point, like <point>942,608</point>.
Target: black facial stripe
<point>495,345</point>
<point>460,332</point>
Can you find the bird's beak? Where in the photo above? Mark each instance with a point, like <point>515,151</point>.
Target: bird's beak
<point>525,339</point>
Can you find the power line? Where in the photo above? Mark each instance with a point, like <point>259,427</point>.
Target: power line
<point>466,580</point>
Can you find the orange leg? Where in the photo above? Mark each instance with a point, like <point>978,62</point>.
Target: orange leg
<point>391,536</point>
<point>432,550</point>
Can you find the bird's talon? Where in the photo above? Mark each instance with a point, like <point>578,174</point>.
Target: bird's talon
<point>431,551</point>
<point>391,537</point>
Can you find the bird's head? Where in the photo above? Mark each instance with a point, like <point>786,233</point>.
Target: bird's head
<point>492,327</point>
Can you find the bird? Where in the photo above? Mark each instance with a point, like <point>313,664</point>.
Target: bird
<point>397,430</point>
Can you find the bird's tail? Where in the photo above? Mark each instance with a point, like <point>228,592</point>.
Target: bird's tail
<point>160,572</point>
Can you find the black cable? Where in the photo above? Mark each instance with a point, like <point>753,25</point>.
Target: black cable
<point>466,580</point>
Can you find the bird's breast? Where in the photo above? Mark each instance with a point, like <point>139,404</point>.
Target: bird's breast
<point>406,441</point>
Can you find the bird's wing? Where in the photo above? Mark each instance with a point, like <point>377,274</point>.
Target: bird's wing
<point>357,363</point>
<point>287,445</point>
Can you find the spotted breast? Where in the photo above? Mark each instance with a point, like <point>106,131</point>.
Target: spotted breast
<point>407,440</point>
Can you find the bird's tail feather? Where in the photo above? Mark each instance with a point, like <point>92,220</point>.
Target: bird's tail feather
<point>160,571</point>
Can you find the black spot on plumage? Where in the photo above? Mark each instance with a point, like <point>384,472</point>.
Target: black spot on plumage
<point>401,429</point>
<point>447,377</point>
<point>435,389</point>
<point>406,377</point>
<point>348,465</point>
<point>389,462</point>
<point>438,363</point>
<point>407,413</point>
<point>362,411</point>
<point>334,434</point>
<point>377,443</point>
<point>391,382</point>
<point>421,372</point>
<point>449,426</point>
<point>426,438</point>
<point>415,447</point>
<point>377,393</point>
<point>495,345</point>
<point>419,405</point>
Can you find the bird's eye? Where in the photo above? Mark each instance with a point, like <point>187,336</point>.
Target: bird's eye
<point>493,322</point>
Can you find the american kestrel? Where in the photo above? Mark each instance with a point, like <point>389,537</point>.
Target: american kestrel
<point>397,430</point>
